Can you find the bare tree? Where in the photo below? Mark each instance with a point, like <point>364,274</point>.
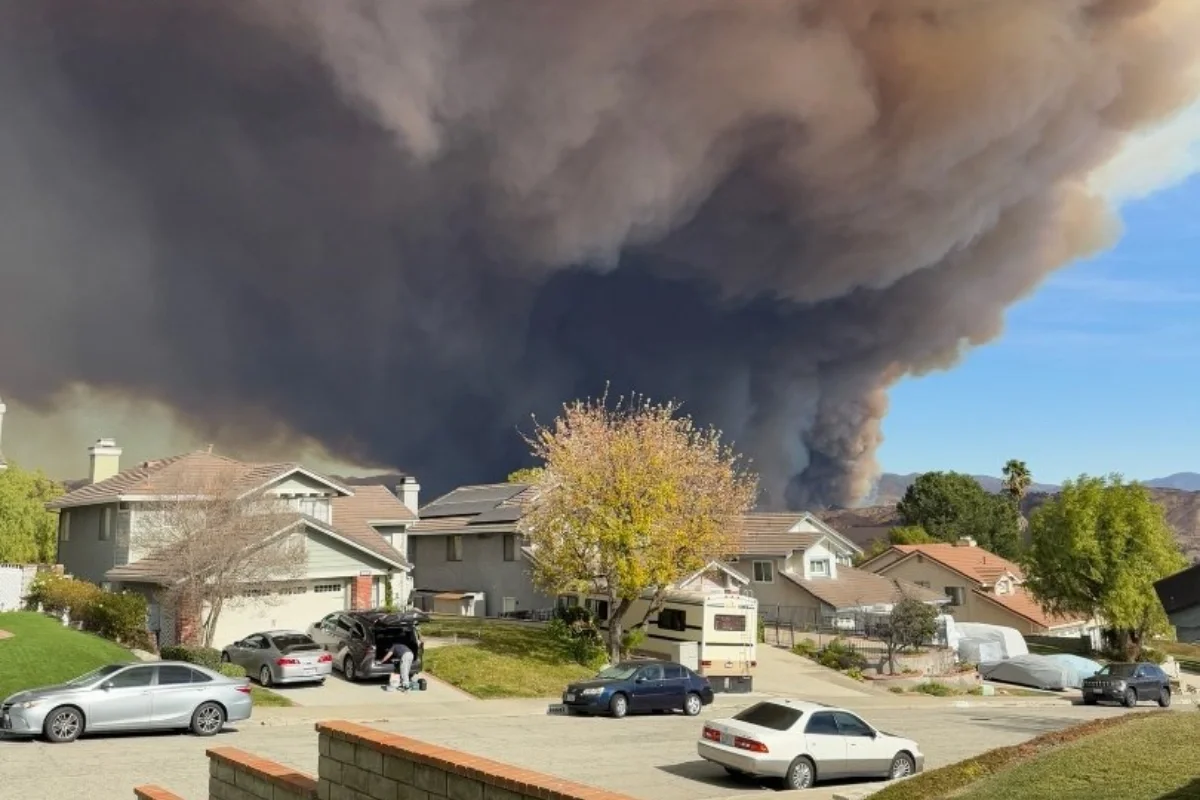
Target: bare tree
<point>211,539</point>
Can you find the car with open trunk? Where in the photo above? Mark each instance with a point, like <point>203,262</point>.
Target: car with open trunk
<point>359,640</point>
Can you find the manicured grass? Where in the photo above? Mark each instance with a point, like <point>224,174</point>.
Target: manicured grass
<point>42,652</point>
<point>1148,756</point>
<point>1187,654</point>
<point>504,659</point>
<point>265,698</point>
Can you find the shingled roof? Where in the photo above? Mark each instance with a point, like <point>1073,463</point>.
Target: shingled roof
<point>853,588</point>
<point>167,476</point>
<point>483,508</point>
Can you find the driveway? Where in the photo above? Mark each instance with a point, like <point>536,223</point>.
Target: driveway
<point>646,757</point>
<point>338,691</point>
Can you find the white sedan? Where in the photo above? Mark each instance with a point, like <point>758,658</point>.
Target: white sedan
<point>804,742</point>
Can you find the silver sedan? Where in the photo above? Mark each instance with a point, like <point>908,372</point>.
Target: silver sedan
<point>280,657</point>
<point>124,697</point>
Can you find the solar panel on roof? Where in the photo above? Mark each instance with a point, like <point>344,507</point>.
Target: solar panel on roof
<point>498,514</point>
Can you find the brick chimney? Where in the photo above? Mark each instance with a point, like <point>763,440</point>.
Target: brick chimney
<point>105,458</point>
<point>408,491</point>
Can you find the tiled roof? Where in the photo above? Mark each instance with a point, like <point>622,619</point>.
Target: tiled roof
<point>177,475</point>
<point>769,534</point>
<point>973,562</point>
<point>1021,603</point>
<point>854,587</point>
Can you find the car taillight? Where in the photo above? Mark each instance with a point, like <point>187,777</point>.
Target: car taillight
<point>705,663</point>
<point>712,734</point>
<point>245,689</point>
<point>286,662</point>
<point>752,745</point>
<point>325,658</point>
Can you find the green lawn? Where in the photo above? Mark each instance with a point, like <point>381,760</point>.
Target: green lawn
<point>1127,757</point>
<point>42,652</point>
<point>505,659</point>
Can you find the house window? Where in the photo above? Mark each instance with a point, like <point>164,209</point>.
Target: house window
<point>454,548</point>
<point>326,588</point>
<point>64,526</point>
<point>599,609</point>
<point>510,547</point>
<point>410,550</point>
<point>957,595</point>
<point>764,572</point>
<point>819,567</point>
<point>672,619</point>
<point>105,524</point>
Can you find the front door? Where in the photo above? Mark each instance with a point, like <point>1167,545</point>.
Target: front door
<point>649,689</point>
<point>863,753</point>
<point>825,743</point>
<point>175,696</point>
<point>125,703</point>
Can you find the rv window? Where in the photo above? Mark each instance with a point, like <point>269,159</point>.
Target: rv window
<point>672,619</point>
<point>729,622</point>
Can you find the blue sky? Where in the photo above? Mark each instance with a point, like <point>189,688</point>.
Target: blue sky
<point>1098,372</point>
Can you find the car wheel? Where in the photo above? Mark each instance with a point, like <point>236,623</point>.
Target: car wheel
<point>208,719</point>
<point>1089,701</point>
<point>618,706</point>
<point>1130,699</point>
<point>348,669</point>
<point>264,676</point>
<point>692,705</point>
<point>63,725</point>
<point>1164,697</point>
<point>801,774</point>
<point>902,767</point>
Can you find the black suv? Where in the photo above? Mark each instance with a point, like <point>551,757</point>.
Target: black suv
<point>360,639</point>
<point>1128,684</point>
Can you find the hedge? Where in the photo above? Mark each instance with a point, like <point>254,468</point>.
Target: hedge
<point>119,616</point>
<point>203,656</point>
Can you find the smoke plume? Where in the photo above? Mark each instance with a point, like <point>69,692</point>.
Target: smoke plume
<point>398,228</point>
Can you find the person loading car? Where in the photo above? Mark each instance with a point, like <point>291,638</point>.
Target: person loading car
<point>402,658</point>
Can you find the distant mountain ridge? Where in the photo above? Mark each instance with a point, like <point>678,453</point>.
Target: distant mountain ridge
<point>891,486</point>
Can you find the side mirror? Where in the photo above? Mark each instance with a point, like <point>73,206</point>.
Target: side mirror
<point>106,685</point>
<point>874,734</point>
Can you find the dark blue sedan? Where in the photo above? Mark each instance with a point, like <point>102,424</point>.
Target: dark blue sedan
<point>638,686</point>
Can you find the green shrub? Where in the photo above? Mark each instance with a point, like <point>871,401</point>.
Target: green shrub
<point>841,656</point>
<point>935,689</point>
<point>120,617</point>
<point>896,689</point>
<point>231,670</point>
<point>855,673</point>
<point>204,656</point>
<point>806,647</point>
<point>58,593</point>
<point>1152,655</point>
<point>762,630</point>
<point>578,636</point>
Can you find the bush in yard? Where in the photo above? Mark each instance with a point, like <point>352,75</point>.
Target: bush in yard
<point>204,656</point>
<point>807,648</point>
<point>120,617</point>
<point>58,593</point>
<point>1153,656</point>
<point>762,630</point>
<point>576,631</point>
<point>841,656</point>
<point>910,625</point>
<point>935,689</point>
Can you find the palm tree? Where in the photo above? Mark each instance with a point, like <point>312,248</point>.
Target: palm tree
<point>1017,480</point>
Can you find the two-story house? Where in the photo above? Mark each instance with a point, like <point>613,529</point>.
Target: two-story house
<point>800,571</point>
<point>353,539</point>
<point>1180,597</point>
<point>468,557</point>
<point>979,585</point>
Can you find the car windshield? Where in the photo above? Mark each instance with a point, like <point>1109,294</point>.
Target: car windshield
<point>1118,670</point>
<point>293,641</point>
<point>94,675</point>
<point>617,672</point>
<point>775,716</point>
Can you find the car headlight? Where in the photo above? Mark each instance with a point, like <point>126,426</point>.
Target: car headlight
<point>28,704</point>
<point>1120,686</point>
<point>591,692</point>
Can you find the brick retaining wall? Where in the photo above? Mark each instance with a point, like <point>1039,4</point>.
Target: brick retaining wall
<point>357,762</point>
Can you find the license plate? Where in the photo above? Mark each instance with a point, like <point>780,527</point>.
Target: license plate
<point>727,739</point>
<point>310,670</point>
<point>570,698</point>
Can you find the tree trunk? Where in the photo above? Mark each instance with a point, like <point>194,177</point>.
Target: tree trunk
<point>616,629</point>
<point>210,623</point>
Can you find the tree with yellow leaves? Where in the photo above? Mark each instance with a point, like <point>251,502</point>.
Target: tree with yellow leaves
<point>631,499</point>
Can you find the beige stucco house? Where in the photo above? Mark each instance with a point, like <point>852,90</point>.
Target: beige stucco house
<point>979,585</point>
<point>800,572</point>
<point>352,539</point>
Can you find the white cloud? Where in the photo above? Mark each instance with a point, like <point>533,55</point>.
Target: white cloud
<point>1156,159</point>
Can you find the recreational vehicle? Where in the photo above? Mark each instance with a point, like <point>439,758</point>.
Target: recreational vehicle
<point>713,633</point>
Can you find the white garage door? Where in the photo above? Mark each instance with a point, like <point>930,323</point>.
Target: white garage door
<point>297,608</point>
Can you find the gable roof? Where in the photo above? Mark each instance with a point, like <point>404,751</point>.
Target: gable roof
<point>853,588</point>
<point>153,479</point>
<point>1022,603</point>
<point>974,563</point>
<point>719,566</point>
<point>483,508</point>
<point>770,533</point>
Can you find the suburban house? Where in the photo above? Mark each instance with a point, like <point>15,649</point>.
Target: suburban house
<point>980,586</point>
<point>1180,598</point>
<point>469,558</point>
<point>353,539</point>
<point>800,572</point>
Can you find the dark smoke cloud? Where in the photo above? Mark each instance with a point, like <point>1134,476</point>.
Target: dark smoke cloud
<point>400,227</point>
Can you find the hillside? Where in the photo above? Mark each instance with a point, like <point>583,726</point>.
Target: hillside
<point>1182,510</point>
<point>891,486</point>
